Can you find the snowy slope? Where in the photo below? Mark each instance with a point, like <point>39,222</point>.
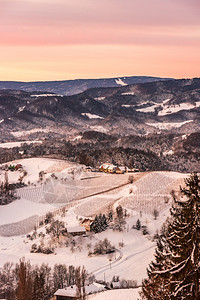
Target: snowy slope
<point>136,250</point>
<point>128,294</point>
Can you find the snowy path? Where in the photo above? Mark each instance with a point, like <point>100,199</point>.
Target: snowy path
<point>110,265</point>
<point>120,260</point>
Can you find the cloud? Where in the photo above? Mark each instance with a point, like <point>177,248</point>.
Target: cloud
<point>91,22</point>
<point>127,12</point>
<point>141,27</point>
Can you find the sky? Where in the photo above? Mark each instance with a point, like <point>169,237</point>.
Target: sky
<point>69,39</point>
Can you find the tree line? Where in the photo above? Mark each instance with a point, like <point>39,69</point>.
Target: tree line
<point>26,282</point>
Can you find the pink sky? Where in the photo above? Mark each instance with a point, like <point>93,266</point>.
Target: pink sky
<point>67,39</point>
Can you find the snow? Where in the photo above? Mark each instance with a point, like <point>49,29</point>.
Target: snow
<point>26,132</point>
<point>167,126</point>
<point>127,105</point>
<point>184,136</point>
<point>147,109</point>
<point>99,128</point>
<point>91,116</point>
<point>171,109</point>
<point>167,109</point>
<point>120,82</point>
<point>17,144</point>
<point>21,108</point>
<point>79,137</point>
<point>76,229</point>
<point>150,191</point>
<point>176,175</point>
<point>100,98</point>
<point>71,291</point>
<point>198,104</point>
<point>128,93</point>
<point>22,209</point>
<point>170,152</point>
<point>118,294</point>
<point>33,166</point>
<point>152,108</point>
<point>46,95</point>
<point>129,261</point>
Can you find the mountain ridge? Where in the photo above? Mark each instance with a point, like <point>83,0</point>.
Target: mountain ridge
<point>145,108</point>
<point>74,86</point>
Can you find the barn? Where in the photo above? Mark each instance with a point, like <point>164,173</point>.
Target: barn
<point>77,230</point>
<point>70,293</point>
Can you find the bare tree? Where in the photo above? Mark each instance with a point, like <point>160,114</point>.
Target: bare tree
<point>155,213</point>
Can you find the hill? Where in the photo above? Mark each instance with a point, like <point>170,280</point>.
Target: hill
<point>139,109</point>
<point>71,87</point>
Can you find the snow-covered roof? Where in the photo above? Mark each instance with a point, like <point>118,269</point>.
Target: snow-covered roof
<point>107,166</point>
<point>87,220</point>
<point>111,167</point>
<point>94,288</point>
<point>69,291</point>
<point>116,284</point>
<point>76,229</point>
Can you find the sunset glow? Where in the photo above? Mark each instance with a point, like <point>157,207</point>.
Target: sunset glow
<point>67,39</point>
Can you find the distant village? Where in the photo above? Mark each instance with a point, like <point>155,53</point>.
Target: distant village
<point>112,169</point>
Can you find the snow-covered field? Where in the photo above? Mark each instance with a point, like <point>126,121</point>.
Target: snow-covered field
<point>166,109</point>
<point>27,132</point>
<point>91,116</point>
<point>119,294</point>
<point>98,128</point>
<point>33,166</point>
<point>171,109</point>
<point>167,126</point>
<point>17,144</point>
<point>120,81</point>
<point>85,195</point>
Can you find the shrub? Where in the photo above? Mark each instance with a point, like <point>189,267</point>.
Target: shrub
<point>155,213</point>
<point>145,230</point>
<point>103,247</point>
<point>138,224</point>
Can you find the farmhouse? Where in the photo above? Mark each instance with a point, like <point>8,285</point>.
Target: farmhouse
<point>112,169</point>
<point>107,167</point>
<point>77,230</point>
<point>88,169</point>
<point>70,293</point>
<point>18,167</point>
<point>104,167</point>
<point>87,223</point>
<point>121,170</point>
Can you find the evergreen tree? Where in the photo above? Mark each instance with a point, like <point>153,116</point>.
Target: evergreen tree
<point>175,274</point>
<point>119,221</point>
<point>100,223</point>
<point>138,224</point>
<point>95,225</point>
<point>104,223</point>
<point>110,216</point>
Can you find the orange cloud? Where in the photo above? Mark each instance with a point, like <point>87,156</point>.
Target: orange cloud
<point>108,37</point>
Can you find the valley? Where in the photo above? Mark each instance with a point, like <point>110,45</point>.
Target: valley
<point>66,191</point>
<point>58,207</point>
